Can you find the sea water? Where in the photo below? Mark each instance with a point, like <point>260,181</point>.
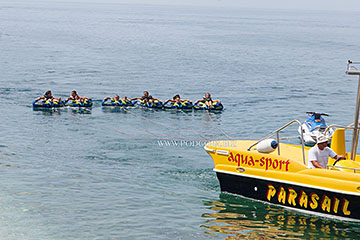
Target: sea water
<point>107,173</point>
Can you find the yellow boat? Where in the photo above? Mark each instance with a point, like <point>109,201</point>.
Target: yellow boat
<point>277,173</point>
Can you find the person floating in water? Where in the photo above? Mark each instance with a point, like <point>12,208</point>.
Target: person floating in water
<point>49,97</point>
<point>320,153</point>
<point>116,99</point>
<point>176,99</point>
<point>207,100</point>
<point>146,98</point>
<point>75,97</point>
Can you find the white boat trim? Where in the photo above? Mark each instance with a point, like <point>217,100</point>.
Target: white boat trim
<point>209,150</point>
<point>288,182</point>
<point>222,152</point>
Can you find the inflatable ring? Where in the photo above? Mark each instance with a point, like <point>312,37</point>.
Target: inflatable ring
<point>47,104</point>
<point>187,105</point>
<point>74,103</point>
<point>112,102</point>
<point>215,106</point>
<point>156,104</point>
<point>183,105</point>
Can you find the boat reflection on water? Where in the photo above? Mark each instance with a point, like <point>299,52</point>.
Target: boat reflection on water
<point>234,217</point>
<point>80,110</point>
<point>208,115</point>
<point>58,111</point>
<point>48,111</point>
<point>113,109</point>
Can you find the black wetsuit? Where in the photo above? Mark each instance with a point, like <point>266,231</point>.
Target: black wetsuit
<point>207,99</point>
<point>47,97</point>
<point>143,98</point>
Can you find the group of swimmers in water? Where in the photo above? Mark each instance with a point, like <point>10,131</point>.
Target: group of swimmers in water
<point>146,98</point>
<point>73,96</point>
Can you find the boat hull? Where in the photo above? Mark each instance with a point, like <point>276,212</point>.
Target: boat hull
<point>287,194</point>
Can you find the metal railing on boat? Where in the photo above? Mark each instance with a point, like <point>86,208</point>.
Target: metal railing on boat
<point>355,169</point>
<point>338,126</point>
<point>278,137</point>
<point>353,68</point>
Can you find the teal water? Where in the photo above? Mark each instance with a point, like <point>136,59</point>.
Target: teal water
<point>102,173</point>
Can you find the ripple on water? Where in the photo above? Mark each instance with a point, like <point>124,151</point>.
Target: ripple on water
<point>256,220</point>
<point>100,173</point>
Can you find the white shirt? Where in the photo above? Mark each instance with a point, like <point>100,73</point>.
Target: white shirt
<point>322,156</point>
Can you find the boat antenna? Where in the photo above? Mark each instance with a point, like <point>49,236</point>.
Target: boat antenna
<point>353,68</point>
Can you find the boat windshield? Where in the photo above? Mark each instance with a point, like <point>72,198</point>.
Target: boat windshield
<point>315,121</point>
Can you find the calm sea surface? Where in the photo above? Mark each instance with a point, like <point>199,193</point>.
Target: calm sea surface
<point>102,173</point>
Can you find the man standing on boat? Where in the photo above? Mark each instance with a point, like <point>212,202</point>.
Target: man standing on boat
<point>319,154</point>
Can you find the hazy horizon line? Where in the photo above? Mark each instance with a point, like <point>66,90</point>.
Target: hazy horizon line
<point>185,3</point>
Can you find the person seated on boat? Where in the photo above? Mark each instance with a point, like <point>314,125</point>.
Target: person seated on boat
<point>207,100</point>
<point>146,98</point>
<point>116,98</point>
<point>318,155</point>
<point>75,97</point>
<point>176,99</point>
<point>49,97</point>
